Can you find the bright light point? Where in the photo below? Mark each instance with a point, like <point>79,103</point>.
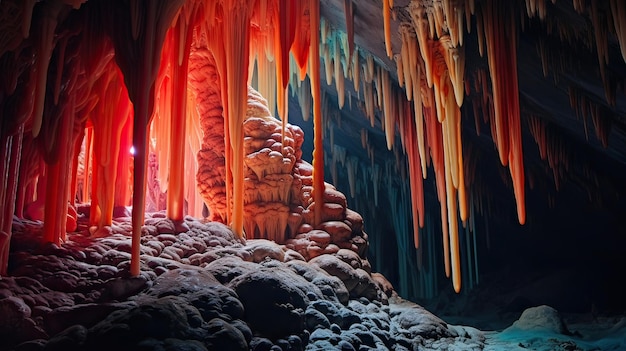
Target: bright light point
<point>132,150</point>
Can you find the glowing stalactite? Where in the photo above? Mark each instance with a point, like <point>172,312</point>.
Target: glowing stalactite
<point>455,61</point>
<point>413,69</point>
<point>108,119</point>
<point>454,12</point>
<point>451,205</point>
<point>316,92</point>
<point>145,24</point>
<point>500,34</point>
<point>86,163</point>
<point>387,4</point>
<point>176,54</point>
<point>267,83</point>
<point>193,146</point>
<point>236,46</point>
<point>55,213</point>
<point>160,124</point>
<point>284,20</point>
<point>435,143</point>
<point>123,179</point>
<point>421,25</point>
<point>302,39</point>
<point>415,174</point>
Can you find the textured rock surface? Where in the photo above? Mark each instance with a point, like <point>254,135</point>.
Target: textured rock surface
<point>201,289</point>
<point>277,203</point>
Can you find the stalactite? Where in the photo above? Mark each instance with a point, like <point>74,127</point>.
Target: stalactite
<point>237,15</point>
<point>388,105</point>
<point>455,61</point>
<point>415,174</point>
<point>180,34</point>
<point>387,4</point>
<point>454,15</point>
<point>148,28</point>
<point>318,150</point>
<point>500,35</point>
<point>420,23</point>
<point>108,121</point>
<point>44,51</point>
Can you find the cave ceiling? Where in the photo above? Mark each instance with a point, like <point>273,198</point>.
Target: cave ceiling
<point>561,82</point>
<point>570,64</point>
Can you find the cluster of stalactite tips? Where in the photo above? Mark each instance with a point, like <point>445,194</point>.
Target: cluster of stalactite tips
<point>169,105</point>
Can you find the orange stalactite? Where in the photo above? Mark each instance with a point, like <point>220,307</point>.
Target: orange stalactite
<point>124,174</point>
<point>318,141</point>
<point>181,35</point>
<point>500,35</point>
<point>285,20</point>
<point>236,46</point>
<point>55,213</point>
<point>387,4</point>
<point>302,40</point>
<point>462,194</point>
<point>455,61</point>
<point>435,143</point>
<point>88,144</point>
<point>421,25</point>
<point>415,173</point>
<point>454,15</point>
<point>144,23</point>
<point>108,121</point>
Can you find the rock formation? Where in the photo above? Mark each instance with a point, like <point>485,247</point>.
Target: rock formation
<point>278,203</point>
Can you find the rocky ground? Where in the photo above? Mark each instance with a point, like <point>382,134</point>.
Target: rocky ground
<point>202,289</point>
